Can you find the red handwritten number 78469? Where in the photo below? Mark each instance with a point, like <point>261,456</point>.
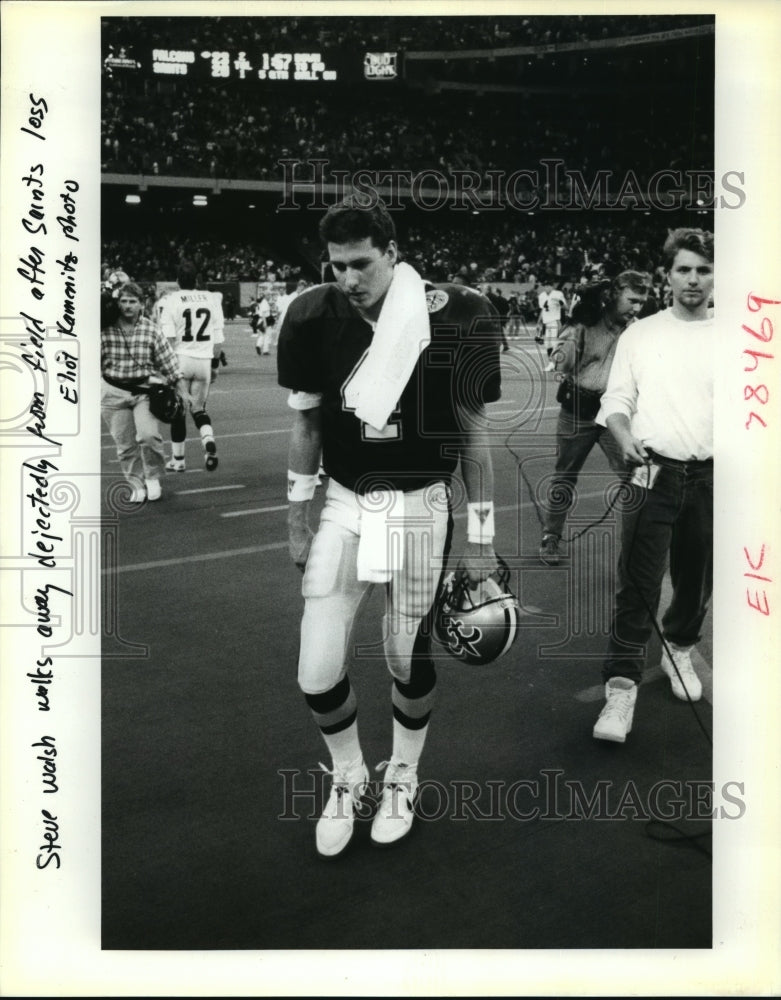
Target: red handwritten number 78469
<point>760,392</point>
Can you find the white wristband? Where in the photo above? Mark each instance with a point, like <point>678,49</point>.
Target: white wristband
<point>480,522</point>
<point>304,400</point>
<point>301,485</point>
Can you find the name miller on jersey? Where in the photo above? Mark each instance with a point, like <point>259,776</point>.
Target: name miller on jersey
<point>196,296</point>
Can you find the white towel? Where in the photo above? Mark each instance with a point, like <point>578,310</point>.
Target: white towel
<point>401,335</point>
<point>381,545</point>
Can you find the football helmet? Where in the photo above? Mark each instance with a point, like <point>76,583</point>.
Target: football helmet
<point>477,626</point>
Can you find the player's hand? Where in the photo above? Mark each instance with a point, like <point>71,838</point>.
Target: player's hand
<point>299,538</point>
<point>477,563</point>
<point>184,395</point>
<point>299,534</point>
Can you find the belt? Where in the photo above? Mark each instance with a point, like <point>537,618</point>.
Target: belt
<point>677,463</point>
<point>128,384</point>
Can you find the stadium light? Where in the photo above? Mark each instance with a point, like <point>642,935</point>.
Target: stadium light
<point>200,200</point>
<point>132,199</point>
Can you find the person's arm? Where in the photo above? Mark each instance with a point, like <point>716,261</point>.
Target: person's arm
<point>479,558</point>
<point>304,453</point>
<point>218,324</point>
<point>564,355</point>
<point>166,321</point>
<point>633,450</point>
<point>167,362</point>
<point>217,335</point>
<point>619,403</point>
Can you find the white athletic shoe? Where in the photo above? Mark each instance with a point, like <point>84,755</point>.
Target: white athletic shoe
<point>175,465</point>
<point>153,489</point>
<point>684,678</point>
<point>615,719</point>
<point>137,494</point>
<point>334,829</point>
<point>396,811</point>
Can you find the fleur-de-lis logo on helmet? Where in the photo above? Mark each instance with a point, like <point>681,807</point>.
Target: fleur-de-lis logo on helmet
<point>477,627</point>
<point>464,639</point>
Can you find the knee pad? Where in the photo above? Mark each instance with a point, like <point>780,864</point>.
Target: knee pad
<point>331,563</point>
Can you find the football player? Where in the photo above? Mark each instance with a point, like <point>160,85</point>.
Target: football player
<point>260,320</point>
<point>192,320</point>
<point>552,305</point>
<point>388,376</point>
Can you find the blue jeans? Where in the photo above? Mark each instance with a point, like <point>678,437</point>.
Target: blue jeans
<point>575,439</point>
<point>673,518</point>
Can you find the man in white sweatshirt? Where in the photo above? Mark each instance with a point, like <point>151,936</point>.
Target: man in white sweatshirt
<point>659,407</point>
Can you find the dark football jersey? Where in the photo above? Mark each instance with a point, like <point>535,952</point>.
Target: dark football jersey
<point>324,341</point>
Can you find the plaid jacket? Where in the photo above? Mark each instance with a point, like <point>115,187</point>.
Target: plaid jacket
<point>144,351</point>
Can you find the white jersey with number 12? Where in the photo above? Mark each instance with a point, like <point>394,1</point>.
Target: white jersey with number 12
<point>193,320</point>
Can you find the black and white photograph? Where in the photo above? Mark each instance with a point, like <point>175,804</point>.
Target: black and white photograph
<point>390,476</point>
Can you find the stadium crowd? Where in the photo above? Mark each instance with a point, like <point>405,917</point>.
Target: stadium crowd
<point>412,33</point>
<point>226,128</point>
<point>520,250</point>
<point>187,127</point>
<point>199,129</point>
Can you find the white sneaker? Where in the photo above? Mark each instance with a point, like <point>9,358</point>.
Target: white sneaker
<point>153,489</point>
<point>137,494</point>
<point>684,679</point>
<point>175,465</point>
<point>615,719</point>
<point>550,367</point>
<point>334,829</point>
<point>396,811</point>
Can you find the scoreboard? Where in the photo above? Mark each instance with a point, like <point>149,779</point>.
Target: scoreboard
<point>223,65</point>
<point>247,65</point>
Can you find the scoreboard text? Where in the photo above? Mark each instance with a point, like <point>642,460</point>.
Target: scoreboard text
<point>224,65</point>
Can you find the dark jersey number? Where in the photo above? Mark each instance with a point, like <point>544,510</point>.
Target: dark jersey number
<point>204,314</point>
<point>391,431</point>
